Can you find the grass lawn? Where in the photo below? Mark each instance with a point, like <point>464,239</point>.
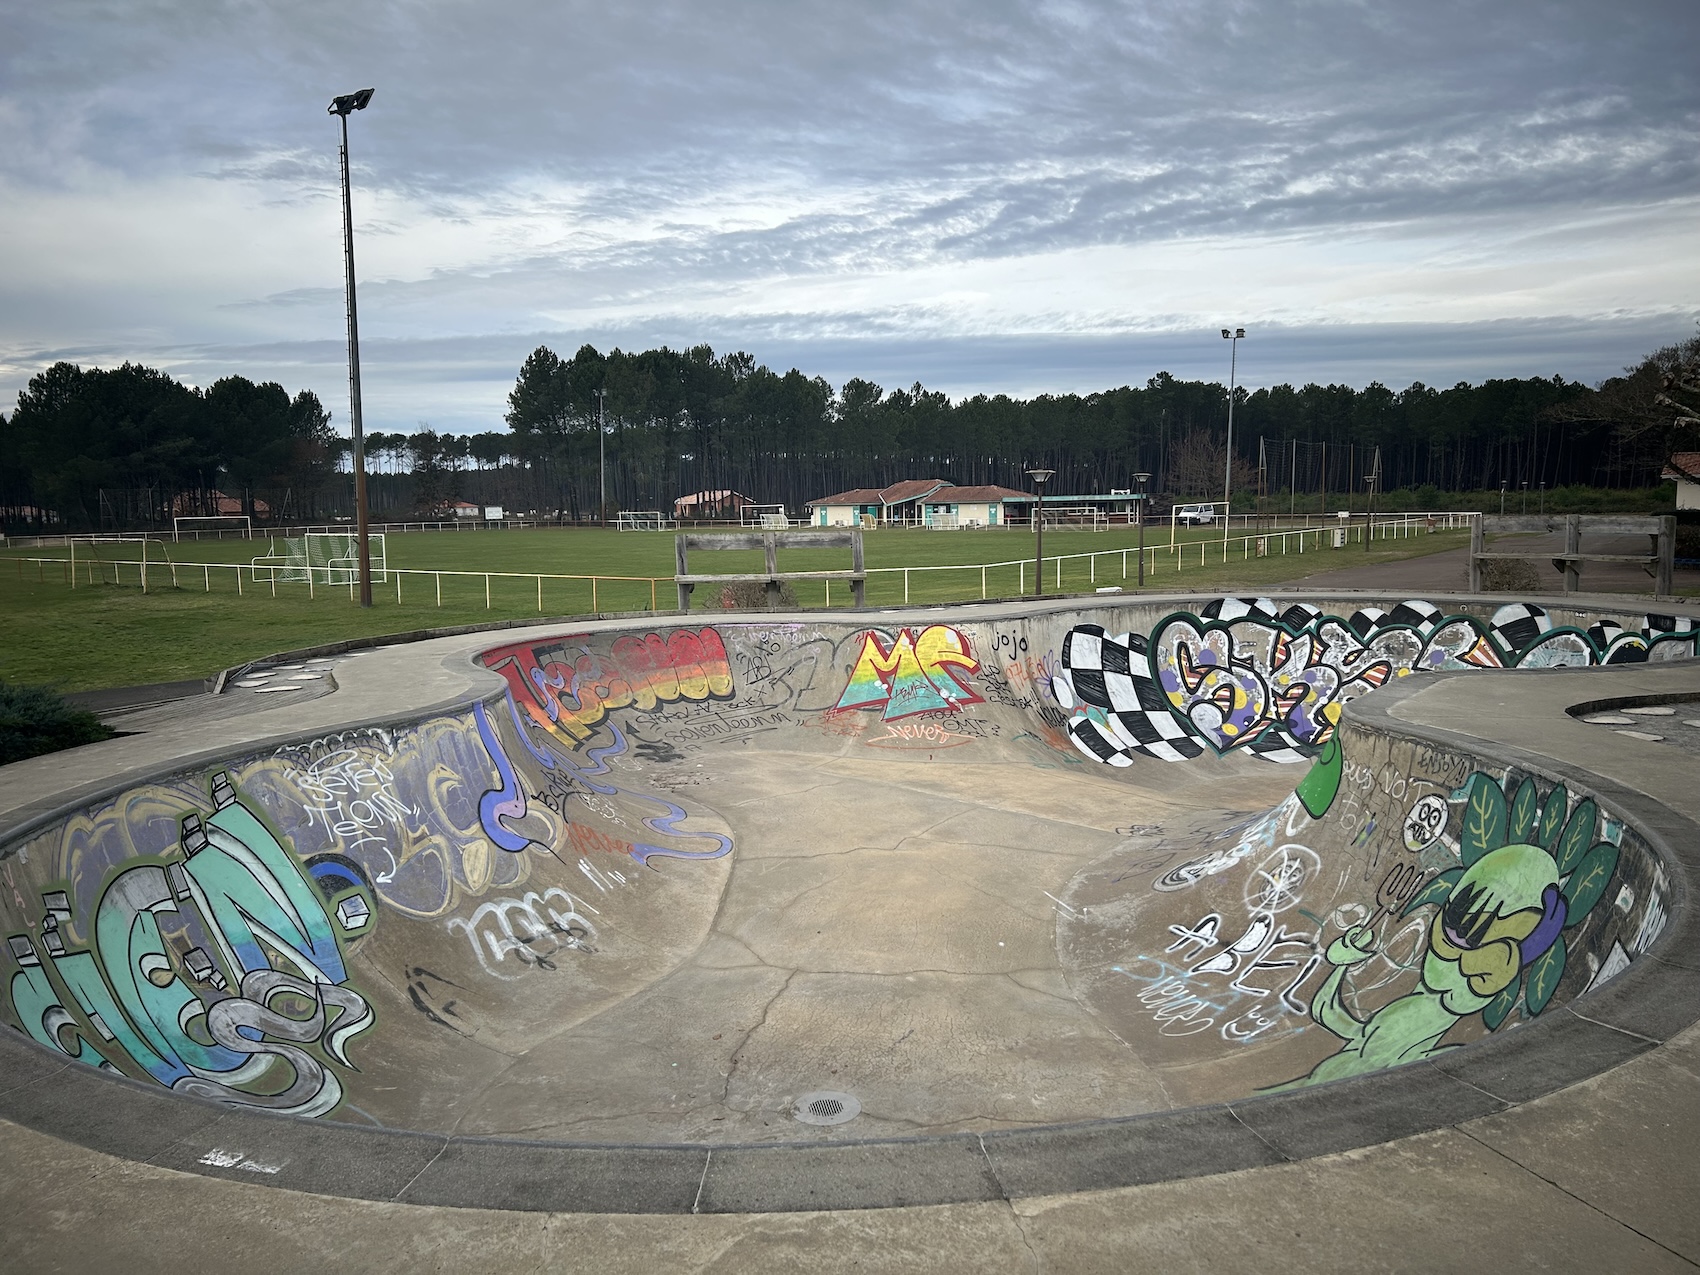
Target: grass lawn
<point>106,634</point>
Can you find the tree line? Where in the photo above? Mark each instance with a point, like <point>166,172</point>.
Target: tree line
<point>650,426</point>
<point>133,447</point>
<point>681,421</point>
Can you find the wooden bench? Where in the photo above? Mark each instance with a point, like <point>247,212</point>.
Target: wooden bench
<point>1660,563</point>
<point>770,542</point>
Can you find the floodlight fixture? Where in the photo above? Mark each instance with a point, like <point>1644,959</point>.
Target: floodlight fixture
<point>349,102</point>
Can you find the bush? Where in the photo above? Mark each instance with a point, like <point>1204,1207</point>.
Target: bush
<point>35,720</point>
<point>751,595</point>
<point>1510,575</point>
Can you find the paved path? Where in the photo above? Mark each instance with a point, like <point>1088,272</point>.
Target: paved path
<point>1449,571</point>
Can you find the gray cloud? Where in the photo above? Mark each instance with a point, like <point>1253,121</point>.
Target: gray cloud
<point>676,161</point>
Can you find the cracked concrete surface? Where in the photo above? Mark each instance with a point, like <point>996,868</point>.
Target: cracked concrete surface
<point>904,951</point>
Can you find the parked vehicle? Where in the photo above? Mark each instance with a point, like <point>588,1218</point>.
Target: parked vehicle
<point>1194,515</point>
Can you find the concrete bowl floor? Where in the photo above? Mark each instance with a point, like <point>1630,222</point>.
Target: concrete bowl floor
<point>902,949</point>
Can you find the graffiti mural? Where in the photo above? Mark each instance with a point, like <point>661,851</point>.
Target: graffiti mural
<point>216,968</point>
<point>568,689</point>
<point>1532,868</point>
<point>1247,676</point>
<point>909,674</point>
<point>1404,900</point>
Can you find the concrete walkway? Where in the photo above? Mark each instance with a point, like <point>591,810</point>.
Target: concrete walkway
<point>1597,1176</point>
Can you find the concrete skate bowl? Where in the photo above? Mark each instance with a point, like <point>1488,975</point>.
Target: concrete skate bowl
<point>856,911</point>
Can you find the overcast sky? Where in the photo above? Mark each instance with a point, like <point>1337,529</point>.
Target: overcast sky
<point>975,195</point>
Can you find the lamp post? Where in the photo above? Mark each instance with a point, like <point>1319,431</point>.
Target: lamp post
<point>341,107</point>
<point>1040,477</point>
<point>1503,483</point>
<point>1525,498</point>
<point>602,454</point>
<point>1141,479</point>
<point>1233,338</point>
<point>1369,511</point>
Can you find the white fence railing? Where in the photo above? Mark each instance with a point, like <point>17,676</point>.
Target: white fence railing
<point>1102,564</point>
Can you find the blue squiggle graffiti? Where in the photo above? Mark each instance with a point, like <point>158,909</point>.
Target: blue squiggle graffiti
<point>508,800</point>
<point>666,824</point>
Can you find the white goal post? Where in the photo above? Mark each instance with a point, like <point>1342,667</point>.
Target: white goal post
<point>767,517</point>
<point>178,523</point>
<point>1076,516</point>
<point>322,558</point>
<point>642,520</point>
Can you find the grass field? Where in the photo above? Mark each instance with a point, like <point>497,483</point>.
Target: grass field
<point>103,633</point>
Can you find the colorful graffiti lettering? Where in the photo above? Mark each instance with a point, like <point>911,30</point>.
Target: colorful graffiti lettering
<point>1531,868</point>
<point>591,781</point>
<point>211,970</point>
<point>912,674</point>
<point>1249,676</point>
<point>568,690</point>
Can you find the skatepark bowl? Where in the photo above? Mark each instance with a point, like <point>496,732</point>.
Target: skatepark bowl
<point>742,912</point>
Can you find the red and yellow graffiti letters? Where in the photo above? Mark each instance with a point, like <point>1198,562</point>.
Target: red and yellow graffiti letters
<point>567,689</point>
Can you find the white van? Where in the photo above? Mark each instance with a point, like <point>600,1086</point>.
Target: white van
<point>1192,515</point>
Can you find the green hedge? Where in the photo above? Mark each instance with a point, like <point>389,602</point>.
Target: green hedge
<point>35,720</point>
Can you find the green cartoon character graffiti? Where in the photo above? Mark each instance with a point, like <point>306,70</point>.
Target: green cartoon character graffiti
<point>1527,875</point>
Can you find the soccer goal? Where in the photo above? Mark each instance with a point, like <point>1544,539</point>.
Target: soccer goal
<point>641,520</point>
<point>322,558</point>
<point>767,517</point>
<point>1077,517</point>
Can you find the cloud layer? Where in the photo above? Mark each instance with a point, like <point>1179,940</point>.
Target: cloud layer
<point>974,195</point>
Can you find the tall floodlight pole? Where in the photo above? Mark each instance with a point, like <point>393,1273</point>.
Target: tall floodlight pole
<point>1040,477</point>
<point>1141,479</point>
<point>1233,338</point>
<point>602,454</point>
<point>341,108</point>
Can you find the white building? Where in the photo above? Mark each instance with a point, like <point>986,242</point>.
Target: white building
<point>1684,468</point>
<point>922,502</point>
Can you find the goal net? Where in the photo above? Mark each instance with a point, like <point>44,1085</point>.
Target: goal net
<point>640,520</point>
<point>767,517</point>
<point>1079,517</point>
<point>323,558</point>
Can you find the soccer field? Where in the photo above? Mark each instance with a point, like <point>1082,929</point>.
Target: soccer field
<point>201,613</point>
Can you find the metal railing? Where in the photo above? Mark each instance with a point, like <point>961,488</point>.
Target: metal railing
<point>1101,564</point>
<point>92,571</point>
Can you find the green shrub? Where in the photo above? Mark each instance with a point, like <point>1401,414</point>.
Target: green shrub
<point>751,595</point>
<point>35,720</point>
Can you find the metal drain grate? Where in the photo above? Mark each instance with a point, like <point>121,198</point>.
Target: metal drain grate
<point>826,1107</point>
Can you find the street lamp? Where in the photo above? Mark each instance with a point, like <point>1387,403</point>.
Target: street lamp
<point>1040,477</point>
<point>1141,479</point>
<point>341,107</point>
<point>1369,511</point>
<point>1233,338</point>
<point>602,453</point>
